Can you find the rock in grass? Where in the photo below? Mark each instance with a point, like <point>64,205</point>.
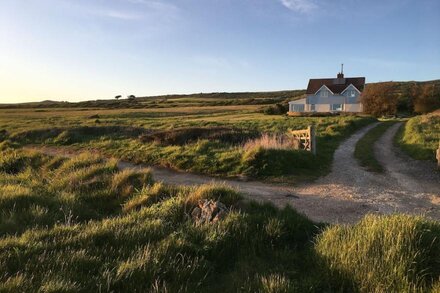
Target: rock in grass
<point>209,211</point>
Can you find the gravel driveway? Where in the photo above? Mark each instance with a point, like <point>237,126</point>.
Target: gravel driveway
<point>347,193</point>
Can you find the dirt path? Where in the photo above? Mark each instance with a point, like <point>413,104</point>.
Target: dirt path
<point>346,194</point>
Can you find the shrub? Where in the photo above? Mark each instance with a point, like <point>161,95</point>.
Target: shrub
<point>428,99</point>
<point>380,99</point>
<point>396,253</point>
<point>277,109</point>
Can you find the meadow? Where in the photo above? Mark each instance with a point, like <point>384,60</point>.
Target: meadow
<point>83,225</point>
<point>202,139</point>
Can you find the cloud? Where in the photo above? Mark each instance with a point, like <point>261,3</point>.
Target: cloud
<point>122,15</point>
<point>129,10</point>
<point>300,6</point>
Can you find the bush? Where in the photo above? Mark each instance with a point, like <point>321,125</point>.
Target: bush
<point>277,109</point>
<point>428,99</point>
<point>380,99</point>
<point>396,253</point>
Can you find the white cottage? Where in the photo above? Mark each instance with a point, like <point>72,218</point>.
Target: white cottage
<point>338,94</point>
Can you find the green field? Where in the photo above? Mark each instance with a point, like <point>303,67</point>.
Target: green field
<point>203,139</point>
<point>420,136</point>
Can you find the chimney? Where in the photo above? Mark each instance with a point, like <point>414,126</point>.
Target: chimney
<point>340,77</point>
<point>341,74</point>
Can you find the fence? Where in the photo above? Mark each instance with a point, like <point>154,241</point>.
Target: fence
<point>306,137</point>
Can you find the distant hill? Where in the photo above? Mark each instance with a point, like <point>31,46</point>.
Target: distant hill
<point>201,99</point>
<point>402,89</point>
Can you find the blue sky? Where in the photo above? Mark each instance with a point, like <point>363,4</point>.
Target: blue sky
<point>95,49</point>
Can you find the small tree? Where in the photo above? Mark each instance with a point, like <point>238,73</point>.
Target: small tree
<point>118,97</point>
<point>379,99</point>
<point>428,100</point>
<point>131,97</point>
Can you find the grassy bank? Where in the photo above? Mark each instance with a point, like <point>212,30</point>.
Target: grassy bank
<point>364,151</point>
<point>420,136</point>
<point>82,225</point>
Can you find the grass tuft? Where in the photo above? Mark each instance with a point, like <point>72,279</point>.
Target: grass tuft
<point>125,182</point>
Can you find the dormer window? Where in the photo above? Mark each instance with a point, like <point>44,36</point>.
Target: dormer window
<point>352,93</point>
<point>324,93</point>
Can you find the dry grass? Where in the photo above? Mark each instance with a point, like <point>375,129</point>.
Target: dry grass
<point>272,142</point>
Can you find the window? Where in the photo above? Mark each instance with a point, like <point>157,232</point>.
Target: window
<point>298,108</point>
<point>324,93</point>
<point>312,107</point>
<point>336,107</point>
<point>352,93</point>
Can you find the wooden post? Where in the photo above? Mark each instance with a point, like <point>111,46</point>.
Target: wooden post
<point>312,137</point>
<point>438,155</point>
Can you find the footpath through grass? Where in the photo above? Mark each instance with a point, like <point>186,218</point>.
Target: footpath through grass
<point>364,151</point>
<point>82,225</point>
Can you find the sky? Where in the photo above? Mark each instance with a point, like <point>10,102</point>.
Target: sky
<point>72,50</point>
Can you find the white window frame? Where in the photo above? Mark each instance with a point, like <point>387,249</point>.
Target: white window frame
<point>337,109</point>
<point>324,93</point>
<point>313,107</point>
<point>302,106</point>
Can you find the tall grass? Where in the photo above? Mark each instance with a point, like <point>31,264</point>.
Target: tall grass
<point>420,136</point>
<point>40,191</point>
<point>66,227</point>
<point>271,141</point>
<point>383,254</point>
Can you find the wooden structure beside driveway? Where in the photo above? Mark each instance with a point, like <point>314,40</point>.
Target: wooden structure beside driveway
<point>306,137</point>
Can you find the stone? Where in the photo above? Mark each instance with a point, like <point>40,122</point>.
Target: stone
<point>209,211</point>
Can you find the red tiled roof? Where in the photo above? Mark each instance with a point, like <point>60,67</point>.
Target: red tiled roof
<point>333,84</point>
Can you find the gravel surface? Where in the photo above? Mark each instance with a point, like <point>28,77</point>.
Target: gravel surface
<point>343,196</point>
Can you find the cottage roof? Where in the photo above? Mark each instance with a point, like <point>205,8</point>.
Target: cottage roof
<point>336,85</point>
